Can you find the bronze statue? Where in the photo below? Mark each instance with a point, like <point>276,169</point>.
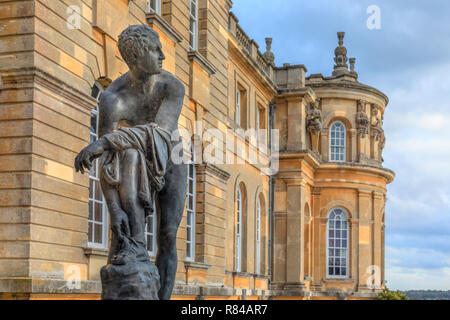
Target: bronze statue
<point>135,162</point>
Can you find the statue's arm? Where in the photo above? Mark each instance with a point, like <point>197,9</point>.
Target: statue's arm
<point>170,109</point>
<point>109,117</point>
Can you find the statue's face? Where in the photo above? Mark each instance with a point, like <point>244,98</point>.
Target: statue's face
<point>150,60</point>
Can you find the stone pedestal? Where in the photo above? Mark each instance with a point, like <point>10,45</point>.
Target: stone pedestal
<point>133,281</point>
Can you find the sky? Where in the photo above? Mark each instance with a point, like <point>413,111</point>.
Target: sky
<point>408,59</point>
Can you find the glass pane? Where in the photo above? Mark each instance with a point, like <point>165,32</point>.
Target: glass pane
<point>91,188</point>
<point>188,233</point>
<point>344,243</point>
<point>93,127</point>
<point>91,210</point>
<point>338,224</point>
<point>191,187</point>
<point>338,234</point>
<point>337,272</point>
<point>98,191</point>
<point>193,8</point>
<point>191,202</point>
<point>330,271</point>
<point>98,212</point>
<point>330,242</point>
<point>98,233</point>
<point>90,234</point>
<point>188,249</point>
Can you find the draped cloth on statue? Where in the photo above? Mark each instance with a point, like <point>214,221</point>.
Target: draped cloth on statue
<point>154,148</point>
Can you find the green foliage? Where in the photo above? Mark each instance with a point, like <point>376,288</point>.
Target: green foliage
<point>391,295</point>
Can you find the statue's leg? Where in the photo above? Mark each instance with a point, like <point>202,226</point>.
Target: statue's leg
<point>171,201</point>
<point>112,198</point>
<point>129,195</point>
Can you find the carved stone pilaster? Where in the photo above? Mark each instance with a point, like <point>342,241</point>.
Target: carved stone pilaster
<point>362,120</point>
<point>314,124</point>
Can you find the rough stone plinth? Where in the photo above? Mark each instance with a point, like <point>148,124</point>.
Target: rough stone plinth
<point>132,281</point>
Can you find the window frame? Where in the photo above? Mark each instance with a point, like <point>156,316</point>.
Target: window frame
<point>96,180</point>
<point>152,233</point>
<point>347,267</point>
<point>157,8</point>
<point>193,19</point>
<point>190,256</point>
<point>258,235</point>
<point>238,107</point>
<point>344,146</point>
<point>239,207</point>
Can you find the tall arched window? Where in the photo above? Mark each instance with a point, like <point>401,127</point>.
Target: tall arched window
<point>98,213</point>
<point>337,142</point>
<point>190,208</point>
<point>337,243</point>
<point>258,235</point>
<point>239,207</point>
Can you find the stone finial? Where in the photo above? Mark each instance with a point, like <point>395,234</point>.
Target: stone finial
<point>352,67</point>
<point>340,59</point>
<point>352,64</point>
<point>270,57</point>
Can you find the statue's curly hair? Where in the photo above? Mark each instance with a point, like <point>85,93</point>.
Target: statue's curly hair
<point>135,38</point>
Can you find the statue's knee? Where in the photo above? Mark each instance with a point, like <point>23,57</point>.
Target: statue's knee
<point>131,155</point>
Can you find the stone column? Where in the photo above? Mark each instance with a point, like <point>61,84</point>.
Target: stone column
<point>210,220</point>
<point>364,237</point>
<point>315,238</point>
<point>378,204</point>
<point>294,239</point>
<point>296,125</point>
<point>353,139</point>
<point>324,144</point>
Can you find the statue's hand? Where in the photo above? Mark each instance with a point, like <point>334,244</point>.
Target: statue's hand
<point>120,225</point>
<point>87,155</point>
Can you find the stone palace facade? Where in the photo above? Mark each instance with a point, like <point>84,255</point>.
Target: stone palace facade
<point>313,230</point>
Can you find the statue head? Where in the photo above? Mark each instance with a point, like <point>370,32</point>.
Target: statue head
<point>140,47</point>
<point>361,106</point>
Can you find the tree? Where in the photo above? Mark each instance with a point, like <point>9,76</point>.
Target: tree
<point>391,295</point>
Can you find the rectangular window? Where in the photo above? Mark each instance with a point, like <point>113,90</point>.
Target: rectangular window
<point>150,232</point>
<point>193,25</point>
<point>154,6</point>
<point>239,230</point>
<point>98,213</point>
<point>238,107</point>
<point>241,107</point>
<point>190,208</point>
<point>258,236</point>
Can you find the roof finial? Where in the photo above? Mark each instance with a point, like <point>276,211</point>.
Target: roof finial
<point>340,52</point>
<point>270,57</point>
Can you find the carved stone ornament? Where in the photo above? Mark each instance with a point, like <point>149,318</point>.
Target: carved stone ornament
<point>362,120</point>
<point>376,123</point>
<point>314,118</point>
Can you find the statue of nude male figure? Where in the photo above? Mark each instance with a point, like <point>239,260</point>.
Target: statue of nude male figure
<point>135,164</point>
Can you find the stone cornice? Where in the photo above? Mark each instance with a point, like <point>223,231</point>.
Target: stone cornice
<point>347,85</point>
<point>214,170</point>
<point>39,77</point>
<point>160,23</point>
<point>200,60</point>
<point>247,59</point>
<point>300,92</point>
